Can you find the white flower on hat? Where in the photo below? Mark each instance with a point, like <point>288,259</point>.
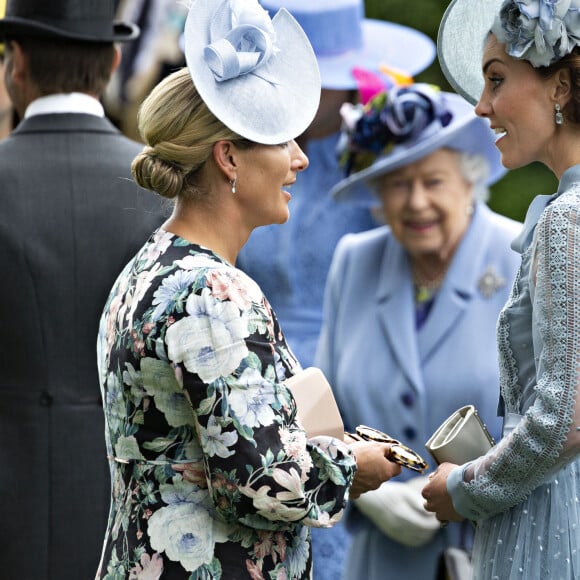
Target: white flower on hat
<point>539,31</point>
<point>399,115</point>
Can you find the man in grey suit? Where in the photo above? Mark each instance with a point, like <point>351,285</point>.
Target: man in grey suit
<point>70,218</point>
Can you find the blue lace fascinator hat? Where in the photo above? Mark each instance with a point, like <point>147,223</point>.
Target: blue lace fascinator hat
<point>404,125</point>
<point>343,39</point>
<point>539,31</point>
<point>257,75</point>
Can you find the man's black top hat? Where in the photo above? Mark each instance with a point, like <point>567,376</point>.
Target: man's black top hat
<point>88,20</point>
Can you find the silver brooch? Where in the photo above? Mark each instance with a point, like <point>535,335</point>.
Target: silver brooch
<point>490,282</point>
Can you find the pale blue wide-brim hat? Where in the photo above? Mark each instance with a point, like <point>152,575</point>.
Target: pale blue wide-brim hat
<point>465,132</point>
<point>343,39</point>
<point>460,42</point>
<point>258,76</point>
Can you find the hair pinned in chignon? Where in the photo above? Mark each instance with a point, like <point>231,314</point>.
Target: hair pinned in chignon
<point>179,131</point>
<point>152,172</point>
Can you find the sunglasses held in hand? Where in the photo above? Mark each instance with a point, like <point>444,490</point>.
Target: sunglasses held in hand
<point>399,453</point>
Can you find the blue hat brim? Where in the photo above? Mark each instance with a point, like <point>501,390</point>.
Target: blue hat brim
<point>466,133</point>
<point>384,43</point>
<point>460,42</point>
<point>343,39</point>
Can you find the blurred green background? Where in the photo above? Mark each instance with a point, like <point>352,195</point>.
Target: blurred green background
<point>512,194</point>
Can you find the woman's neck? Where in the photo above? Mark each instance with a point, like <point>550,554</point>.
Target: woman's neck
<point>214,233</point>
<point>428,275</point>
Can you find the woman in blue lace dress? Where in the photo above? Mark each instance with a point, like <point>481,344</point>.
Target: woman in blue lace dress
<point>213,477</point>
<point>402,302</point>
<point>524,494</point>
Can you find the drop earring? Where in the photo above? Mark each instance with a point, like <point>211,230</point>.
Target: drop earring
<point>559,118</point>
<point>233,184</point>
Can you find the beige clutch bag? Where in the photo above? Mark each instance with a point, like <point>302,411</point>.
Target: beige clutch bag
<point>317,409</point>
<point>460,438</point>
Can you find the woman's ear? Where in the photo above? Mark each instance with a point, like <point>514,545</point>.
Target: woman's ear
<point>226,159</point>
<point>562,91</point>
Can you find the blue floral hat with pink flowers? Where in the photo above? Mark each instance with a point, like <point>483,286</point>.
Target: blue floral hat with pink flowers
<point>401,126</point>
<point>539,31</point>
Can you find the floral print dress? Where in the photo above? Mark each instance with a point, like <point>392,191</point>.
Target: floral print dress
<point>212,475</point>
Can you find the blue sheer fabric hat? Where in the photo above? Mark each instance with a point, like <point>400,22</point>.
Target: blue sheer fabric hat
<point>460,41</point>
<point>343,39</point>
<point>257,75</point>
<point>405,125</point>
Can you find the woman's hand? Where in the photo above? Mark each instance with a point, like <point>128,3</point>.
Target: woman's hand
<point>438,500</point>
<point>373,467</point>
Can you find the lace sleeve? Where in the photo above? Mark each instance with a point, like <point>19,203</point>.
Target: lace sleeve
<point>546,437</point>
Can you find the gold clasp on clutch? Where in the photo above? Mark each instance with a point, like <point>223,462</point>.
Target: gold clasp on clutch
<point>399,453</point>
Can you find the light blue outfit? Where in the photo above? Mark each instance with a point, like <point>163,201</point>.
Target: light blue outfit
<point>405,382</point>
<point>290,262</point>
<point>526,493</point>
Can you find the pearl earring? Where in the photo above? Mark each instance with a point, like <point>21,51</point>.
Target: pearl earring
<point>233,184</point>
<point>559,118</point>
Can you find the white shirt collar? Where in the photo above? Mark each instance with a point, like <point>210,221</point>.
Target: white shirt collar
<point>65,103</point>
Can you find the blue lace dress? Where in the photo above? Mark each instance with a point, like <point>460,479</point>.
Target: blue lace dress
<point>525,493</point>
<point>213,479</point>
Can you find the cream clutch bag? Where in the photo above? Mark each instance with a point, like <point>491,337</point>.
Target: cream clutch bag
<point>460,438</point>
<point>317,409</point>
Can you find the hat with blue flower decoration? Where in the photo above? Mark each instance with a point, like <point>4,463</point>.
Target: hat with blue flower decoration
<point>257,75</point>
<point>401,126</point>
<point>539,31</point>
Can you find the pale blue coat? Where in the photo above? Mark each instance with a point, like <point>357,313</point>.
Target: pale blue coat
<point>387,375</point>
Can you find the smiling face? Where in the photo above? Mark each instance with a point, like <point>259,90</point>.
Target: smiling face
<point>263,181</point>
<point>520,106</point>
<point>427,205</point>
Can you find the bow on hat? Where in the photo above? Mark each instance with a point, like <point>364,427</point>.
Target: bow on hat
<point>242,40</point>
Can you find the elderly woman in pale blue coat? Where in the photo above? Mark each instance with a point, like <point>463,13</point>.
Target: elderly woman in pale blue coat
<point>411,308</point>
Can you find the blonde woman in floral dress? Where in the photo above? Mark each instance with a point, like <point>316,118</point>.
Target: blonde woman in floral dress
<point>213,476</point>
